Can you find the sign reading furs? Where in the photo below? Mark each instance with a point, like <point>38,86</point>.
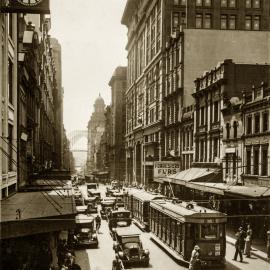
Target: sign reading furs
<point>165,168</point>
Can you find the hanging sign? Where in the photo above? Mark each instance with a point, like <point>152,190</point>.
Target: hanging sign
<point>25,6</point>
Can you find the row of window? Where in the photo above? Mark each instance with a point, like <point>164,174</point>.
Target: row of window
<point>257,160</point>
<point>259,122</point>
<point>214,113</point>
<point>205,154</point>
<point>227,22</point>
<point>223,3</point>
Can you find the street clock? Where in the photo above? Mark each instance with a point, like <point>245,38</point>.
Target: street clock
<point>29,2</point>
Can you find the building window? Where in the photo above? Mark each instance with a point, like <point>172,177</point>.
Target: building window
<point>235,125</point>
<point>10,81</point>
<point>223,22</point>
<point>257,123</point>
<point>216,111</point>
<point>248,22</point>
<point>256,161</point>
<point>256,3</point>
<point>248,164</point>
<point>249,124</point>
<point>256,23</point>
<point>10,147</point>
<point>207,21</point>
<point>198,21</point>
<point>265,121</point>
<point>223,3</point>
<point>248,4</point>
<point>176,2</point>
<point>227,156</point>
<point>198,3</point>
<point>228,128</point>
<point>232,3</point>
<point>215,150</point>
<point>264,167</point>
<point>201,151</point>
<point>175,23</point>
<point>10,25</point>
<point>207,3</point>
<point>202,116</point>
<point>234,163</point>
<point>232,22</point>
<point>183,2</point>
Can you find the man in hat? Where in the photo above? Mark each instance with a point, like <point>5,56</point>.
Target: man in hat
<point>195,262</point>
<point>238,247</point>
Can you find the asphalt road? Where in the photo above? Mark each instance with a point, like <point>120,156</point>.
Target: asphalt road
<point>101,258</point>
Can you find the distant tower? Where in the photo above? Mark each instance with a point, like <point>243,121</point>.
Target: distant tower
<point>96,127</point>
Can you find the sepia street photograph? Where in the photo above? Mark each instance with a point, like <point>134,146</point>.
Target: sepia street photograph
<point>135,134</point>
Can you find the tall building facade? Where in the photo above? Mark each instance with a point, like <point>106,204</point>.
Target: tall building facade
<point>168,46</point>
<point>58,102</point>
<point>40,120</point>
<point>8,91</point>
<point>118,116</point>
<point>96,127</point>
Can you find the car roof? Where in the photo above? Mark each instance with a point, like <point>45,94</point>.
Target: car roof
<point>121,211</point>
<point>127,231</point>
<point>81,218</point>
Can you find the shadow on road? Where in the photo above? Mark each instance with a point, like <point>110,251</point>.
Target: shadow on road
<point>82,258</point>
<point>230,266</point>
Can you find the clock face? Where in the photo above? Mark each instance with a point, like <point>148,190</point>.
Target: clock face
<point>29,2</point>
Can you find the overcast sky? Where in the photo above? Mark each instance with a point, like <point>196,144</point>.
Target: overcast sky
<point>93,44</point>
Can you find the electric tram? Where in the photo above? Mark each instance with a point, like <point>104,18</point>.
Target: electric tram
<point>181,226</point>
<point>138,203</point>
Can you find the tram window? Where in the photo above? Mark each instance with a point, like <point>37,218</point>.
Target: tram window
<point>209,231</point>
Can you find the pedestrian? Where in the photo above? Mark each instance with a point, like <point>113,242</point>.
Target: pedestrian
<point>238,248</point>
<point>250,232</point>
<point>195,262</point>
<point>98,223</point>
<point>117,264</point>
<point>268,245</point>
<point>247,244</point>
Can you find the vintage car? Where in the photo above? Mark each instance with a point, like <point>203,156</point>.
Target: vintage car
<point>81,209</point>
<point>107,205</point>
<point>129,248</point>
<point>85,233</point>
<point>119,218</point>
<point>119,199</point>
<point>91,203</point>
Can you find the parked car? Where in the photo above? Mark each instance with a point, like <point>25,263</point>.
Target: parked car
<point>129,248</point>
<point>81,209</point>
<point>119,218</point>
<point>107,205</point>
<point>85,233</point>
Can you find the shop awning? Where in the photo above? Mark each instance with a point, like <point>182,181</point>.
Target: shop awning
<point>249,191</point>
<point>28,213</point>
<point>192,175</point>
<point>216,188</point>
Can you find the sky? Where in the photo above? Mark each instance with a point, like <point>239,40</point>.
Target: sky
<point>93,44</point>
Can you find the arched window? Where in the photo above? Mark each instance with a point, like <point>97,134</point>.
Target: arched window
<point>228,128</point>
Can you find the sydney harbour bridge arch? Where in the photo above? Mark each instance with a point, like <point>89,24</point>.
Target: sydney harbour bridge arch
<point>78,147</point>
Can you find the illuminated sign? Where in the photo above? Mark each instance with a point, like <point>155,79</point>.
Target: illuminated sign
<point>25,6</point>
<point>165,168</point>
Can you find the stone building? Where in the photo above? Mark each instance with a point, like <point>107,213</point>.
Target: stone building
<point>96,127</point>
<point>168,46</point>
<point>8,92</point>
<point>256,136</point>
<point>118,118</point>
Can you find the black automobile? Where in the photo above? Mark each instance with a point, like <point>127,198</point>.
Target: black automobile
<point>129,248</point>
<point>107,205</point>
<point>119,218</point>
<point>85,233</point>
